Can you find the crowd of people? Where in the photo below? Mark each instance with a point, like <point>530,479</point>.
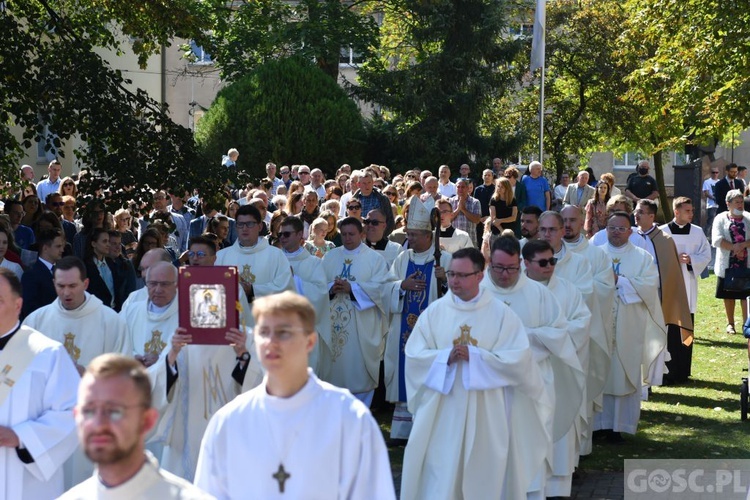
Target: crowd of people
<point>507,320</point>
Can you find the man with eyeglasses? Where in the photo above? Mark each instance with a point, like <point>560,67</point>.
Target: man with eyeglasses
<point>294,434</point>
<point>538,259</point>
<point>674,300</point>
<point>304,175</point>
<point>639,330</point>
<point>310,282</point>
<point>570,265</point>
<point>37,395</point>
<point>85,327</point>
<point>452,239</point>
<point>415,281</point>
<point>55,204</point>
<point>708,195</point>
<point>600,305</point>
<point>477,395</point>
<point>356,277</point>
<point>263,269</point>
<point>554,350</point>
<point>375,236</point>
<point>113,415</point>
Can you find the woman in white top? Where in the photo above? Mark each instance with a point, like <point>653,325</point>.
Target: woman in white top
<point>6,240</point>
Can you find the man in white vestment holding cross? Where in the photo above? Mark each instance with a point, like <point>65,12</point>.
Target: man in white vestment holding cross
<point>293,436</point>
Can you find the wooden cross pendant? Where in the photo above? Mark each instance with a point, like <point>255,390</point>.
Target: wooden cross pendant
<point>281,476</point>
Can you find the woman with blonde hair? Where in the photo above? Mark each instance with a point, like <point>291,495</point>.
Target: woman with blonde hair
<point>123,224</point>
<point>316,243</point>
<point>503,208</point>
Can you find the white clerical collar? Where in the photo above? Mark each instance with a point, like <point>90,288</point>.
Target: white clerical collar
<point>576,242</point>
<point>250,247</point>
<point>12,330</point>
<point>459,300</point>
<point>157,309</point>
<point>353,252</point>
<point>86,297</point>
<point>561,253</point>
<point>295,253</point>
<point>674,221</point>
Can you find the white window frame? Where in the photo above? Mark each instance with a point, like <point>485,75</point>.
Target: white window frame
<point>629,160</point>
<point>202,58</point>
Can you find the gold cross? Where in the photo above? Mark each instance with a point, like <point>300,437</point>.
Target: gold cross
<point>281,476</point>
<point>7,380</point>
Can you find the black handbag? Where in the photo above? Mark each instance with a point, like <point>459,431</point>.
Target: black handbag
<point>737,279</point>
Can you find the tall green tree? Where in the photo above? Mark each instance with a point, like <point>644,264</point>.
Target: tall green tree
<point>55,85</point>
<point>440,64</point>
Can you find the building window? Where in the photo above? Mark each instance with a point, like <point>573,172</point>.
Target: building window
<point>349,57</point>
<point>521,30</point>
<point>200,55</point>
<point>628,161</point>
<point>44,156</point>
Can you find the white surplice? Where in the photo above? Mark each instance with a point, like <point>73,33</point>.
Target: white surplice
<point>39,409</point>
<point>262,265</point>
<point>640,336</point>
<point>697,247</point>
<point>357,331</point>
<point>204,384</point>
<point>150,328</point>
<point>326,440</point>
<point>479,427</point>
<point>310,282</point>
<point>149,482</point>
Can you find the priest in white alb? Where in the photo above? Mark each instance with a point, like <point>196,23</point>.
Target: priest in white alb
<point>640,335</point>
<point>600,303</point>
<point>414,283</point>
<point>38,383</point>
<point>550,341</point>
<point>310,282</point>
<point>356,278</point>
<point>263,269</point>
<point>294,436</point>
<point>538,258</point>
<point>477,396</point>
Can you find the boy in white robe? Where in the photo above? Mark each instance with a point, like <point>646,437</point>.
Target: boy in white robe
<point>293,436</point>
<point>37,394</point>
<point>113,416</point>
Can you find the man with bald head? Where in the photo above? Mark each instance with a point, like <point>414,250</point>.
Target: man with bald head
<point>430,189</point>
<point>149,259</point>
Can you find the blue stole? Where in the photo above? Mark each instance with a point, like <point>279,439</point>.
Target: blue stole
<point>414,303</point>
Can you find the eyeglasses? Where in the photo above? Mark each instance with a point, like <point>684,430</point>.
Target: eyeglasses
<point>503,269</point>
<point>354,207</point>
<point>304,173</point>
<point>617,229</point>
<point>283,334</point>
<point>286,234</point>
<point>249,224</point>
<point>552,261</point>
<point>68,184</point>
<point>369,222</point>
<point>113,414</point>
<point>199,253</point>
<point>456,274</point>
<point>162,284</point>
<point>446,211</point>
<point>714,173</point>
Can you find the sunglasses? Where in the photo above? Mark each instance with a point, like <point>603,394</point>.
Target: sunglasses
<point>354,207</point>
<point>552,261</point>
<point>58,203</point>
<point>376,223</point>
<point>286,234</point>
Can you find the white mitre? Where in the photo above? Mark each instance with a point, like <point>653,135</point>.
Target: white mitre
<point>419,213</point>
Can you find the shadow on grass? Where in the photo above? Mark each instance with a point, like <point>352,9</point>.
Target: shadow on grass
<point>740,343</point>
<point>700,385</point>
<point>729,402</point>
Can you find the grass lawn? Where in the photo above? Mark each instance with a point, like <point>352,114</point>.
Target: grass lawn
<point>700,419</point>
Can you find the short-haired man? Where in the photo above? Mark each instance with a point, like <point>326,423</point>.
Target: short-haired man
<point>723,186</point>
<point>539,263</point>
<point>356,276</point>
<point>551,342</point>
<point>304,175</point>
<point>114,414</point>
<point>530,223</point>
<point>263,269</point>
<point>316,183</point>
<point>694,253</point>
<point>38,286</point>
<point>85,327</point>
<point>642,186</point>
<point>52,183</point>
<point>445,187</point>
<point>37,395</point>
<point>269,442</point>
<point>452,365</point>
<point>310,282</point>
<point>372,199</point>
<point>414,282</point>
<point>580,193</point>
<point>467,211</point>
<point>27,173</point>
<point>708,194</point>
<point>375,236</point>
<point>639,330</point>
<point>451,239</point>
<point>22,235</point>
<point>181,226</point>
<point>538,192</point>
<point>562,187</point>
<point>271,174</point>
<point>178,198</point>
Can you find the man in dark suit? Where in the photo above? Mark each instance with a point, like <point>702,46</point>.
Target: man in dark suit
<point>37,284</point>
<point>199,224</point>
<point>725,185</point>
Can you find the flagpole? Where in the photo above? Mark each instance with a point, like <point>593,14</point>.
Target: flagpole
<point>541,118</point>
